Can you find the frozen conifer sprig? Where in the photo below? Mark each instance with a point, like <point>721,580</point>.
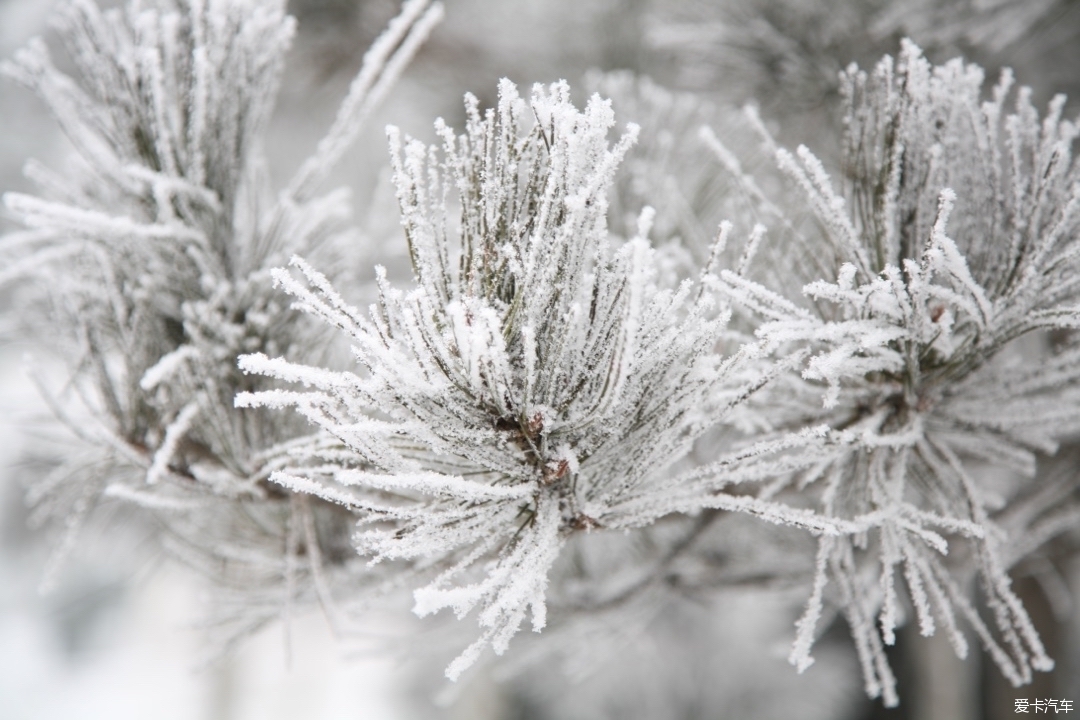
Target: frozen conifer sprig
<point>152,256</point>
<point>535,383</point>
<point>954,234</point>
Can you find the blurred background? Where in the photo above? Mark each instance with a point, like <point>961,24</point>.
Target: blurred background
<point>118,634</point>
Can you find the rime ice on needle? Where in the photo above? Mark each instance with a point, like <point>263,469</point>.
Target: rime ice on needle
<point>954,235</point>
<point>536,382</point>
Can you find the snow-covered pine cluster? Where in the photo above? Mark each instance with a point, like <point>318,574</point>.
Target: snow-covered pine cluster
<point>150,256</point>
<point>537,382</point>
<point>882,361</point>
<point>951,237</point>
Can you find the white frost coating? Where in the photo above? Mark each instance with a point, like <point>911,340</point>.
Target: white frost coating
<point>382,66</point>
<point>167,366</point>
<point>436,484</point>
<point>807,625</point>
<point>157,501</point>
<point>308,376</point>
<point>174,433</point>
<point>518,582</point>
<point>92,223</point>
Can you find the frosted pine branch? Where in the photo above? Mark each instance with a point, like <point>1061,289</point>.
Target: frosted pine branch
<point>950,234</point>
<point>536,382</point>
<point>151,261</point>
